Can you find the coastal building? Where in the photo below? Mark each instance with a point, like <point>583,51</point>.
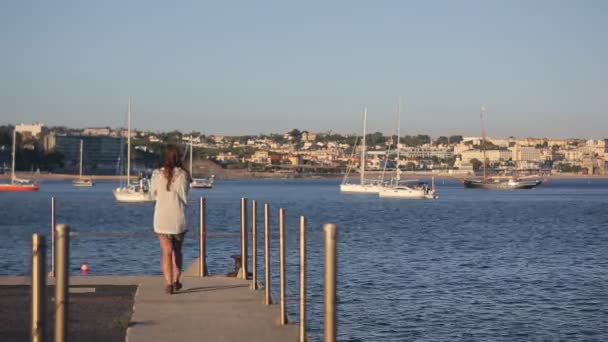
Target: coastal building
<point>100,153</point>
<point>528,153</point>
<point>261,157</point>
<point>491,155</point>
<point>97,131</point>
<point>307,136</point>
<point>33,130</point>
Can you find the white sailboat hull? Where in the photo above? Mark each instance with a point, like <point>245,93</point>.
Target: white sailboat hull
<point>131,195</point>
<point>83,183</point>
<point>360,188</point>
<point>406,192</point>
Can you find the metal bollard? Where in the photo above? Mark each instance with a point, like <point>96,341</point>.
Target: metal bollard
<point>244,238</point>
<point>202,242</point>
<point>254,246</point>
<point>268,300</point>
<point>38,295</point>
<point>331,232</point>
<point>53,237</point>
<point>283,317</point>
<point>302,279</point>
<point>62,283</point>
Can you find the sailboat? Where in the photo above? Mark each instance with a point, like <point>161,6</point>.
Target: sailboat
<point>412,189</point>
<point>17,184</point>
<point>132,192</point>
<point>363,186</point>
<point>199,183</point>
<point>512,183</point>
<point>82,182</point>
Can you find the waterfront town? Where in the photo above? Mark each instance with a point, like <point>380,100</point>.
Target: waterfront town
<point>299,152</point>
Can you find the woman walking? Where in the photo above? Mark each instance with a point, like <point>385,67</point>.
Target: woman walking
<point>169,187</point>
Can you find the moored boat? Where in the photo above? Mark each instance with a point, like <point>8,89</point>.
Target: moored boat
<point>138,192</point>
<point>501,184</point>
<point>82,182</point>
<point>16,184</point>
<point>364,186</point>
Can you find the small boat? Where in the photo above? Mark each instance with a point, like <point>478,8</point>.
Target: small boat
<point>410,189</point>
<point>492,183</point>
<point>82,182</point>
<point>16,184</point>
<point>138,192</point>
<point>134,192</point>
<point>202,183</point>
<point>364,186</point>
<point>199,183</point>
<point>501,184</point>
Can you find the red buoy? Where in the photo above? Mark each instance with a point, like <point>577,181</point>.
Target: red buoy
<point>84,268</point>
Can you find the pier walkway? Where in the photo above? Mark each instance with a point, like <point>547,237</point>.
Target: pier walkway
<point>206,309</point>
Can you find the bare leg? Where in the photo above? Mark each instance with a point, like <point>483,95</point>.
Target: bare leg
<point>177,259</point>
<point>166,258</point>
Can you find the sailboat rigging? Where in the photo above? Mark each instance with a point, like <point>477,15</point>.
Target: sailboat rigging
<point>199,183</point>
<point>406,189</point>
<point>15,183</point>
<point>363,186</point>
<point>82,182</point>
<point>496,183</point>
<point>137,192</point>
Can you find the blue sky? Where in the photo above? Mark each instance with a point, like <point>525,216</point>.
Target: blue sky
<point>258,67</point>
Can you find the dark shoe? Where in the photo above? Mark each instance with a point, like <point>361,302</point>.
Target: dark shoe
<point>169,289</point>
<point>177,286</point>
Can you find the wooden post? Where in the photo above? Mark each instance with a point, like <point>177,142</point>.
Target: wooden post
<point>244,238</point>
<point>267,300</point>
<point>330,282</point>
<point>302,279</point>
<point>202,270</point>
<point>53,224</point>
<point>62,283</point>
<point>38,295</point>
<point>283,313</point>
<point>254,246</point>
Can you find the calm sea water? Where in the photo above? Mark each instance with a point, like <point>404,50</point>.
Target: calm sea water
<point>474,265</point>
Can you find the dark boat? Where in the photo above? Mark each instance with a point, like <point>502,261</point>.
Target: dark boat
<point>512,183</point>
<point>501,184</point>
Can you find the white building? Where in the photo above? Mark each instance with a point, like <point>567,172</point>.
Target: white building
<point>34,129</point>
<point>527,153</point>
<point>96,131</point>
<point>491,155</point>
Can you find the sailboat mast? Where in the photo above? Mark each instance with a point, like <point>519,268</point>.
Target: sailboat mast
<point>80,158</point>
<point>129,142</point>
<point>483,141</point>
<point>363,147</point>
<point>398,137</point>
<point>14,155</point>
<point>191,156</point>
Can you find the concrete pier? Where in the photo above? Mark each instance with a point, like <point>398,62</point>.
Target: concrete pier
<point>205,309</point>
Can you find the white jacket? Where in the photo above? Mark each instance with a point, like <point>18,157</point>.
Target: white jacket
<point>169,216</point>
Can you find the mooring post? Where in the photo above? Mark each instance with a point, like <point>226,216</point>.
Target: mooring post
<point>254,246</point>
<point>302,279</point>
<point>53,237</point>
<point>330,282</point>
<point>244,238</point>
<point>38,295</point>
<point>267,299</point>
<point>202,270</point>
<point>62,283</point>
<point>283,317</point>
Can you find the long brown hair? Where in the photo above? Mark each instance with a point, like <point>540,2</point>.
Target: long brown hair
<point>171,160</point>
